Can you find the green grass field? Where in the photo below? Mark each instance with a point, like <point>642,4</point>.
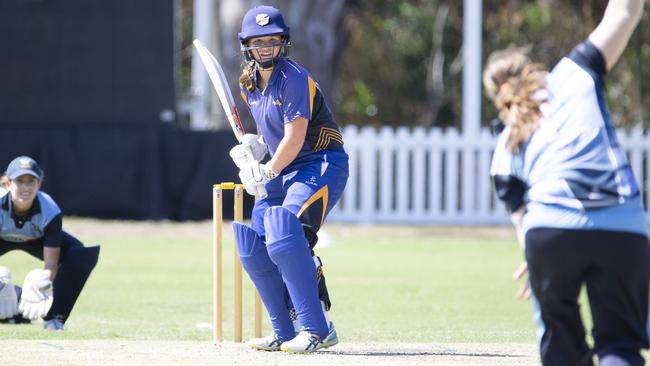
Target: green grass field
<point>387,283</point>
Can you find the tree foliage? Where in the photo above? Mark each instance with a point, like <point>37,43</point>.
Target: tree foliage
<point>385,75</point>
<point>394,62</point>
<point>399,62</point>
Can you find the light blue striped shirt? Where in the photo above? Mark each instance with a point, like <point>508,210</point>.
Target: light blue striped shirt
<point>573,170</point>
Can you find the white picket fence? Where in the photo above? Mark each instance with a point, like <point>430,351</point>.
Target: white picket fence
<point>431,176</point>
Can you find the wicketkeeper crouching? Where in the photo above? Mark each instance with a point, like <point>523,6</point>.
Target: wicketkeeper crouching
<point>31,221</point>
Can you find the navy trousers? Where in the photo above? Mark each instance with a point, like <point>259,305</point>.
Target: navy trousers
<point>615,268</point>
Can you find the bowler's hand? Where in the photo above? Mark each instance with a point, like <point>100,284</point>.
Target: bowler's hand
<point>524,291</point>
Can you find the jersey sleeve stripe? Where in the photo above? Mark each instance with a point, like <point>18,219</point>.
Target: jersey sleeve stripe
<point>312,94</point>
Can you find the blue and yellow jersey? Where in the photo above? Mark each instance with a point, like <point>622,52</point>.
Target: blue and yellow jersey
<point>291,93</point>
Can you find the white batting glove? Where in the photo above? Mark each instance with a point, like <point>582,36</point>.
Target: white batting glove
<point>37,296</point>
<point>8,298</point>
<point>241,155</point>
<point>256,144</point>
<point>254,176</point>
<point>251,148</point>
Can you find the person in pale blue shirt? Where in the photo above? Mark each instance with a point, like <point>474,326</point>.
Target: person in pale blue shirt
<point>563,175</point>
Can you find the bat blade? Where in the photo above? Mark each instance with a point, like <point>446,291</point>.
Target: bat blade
<point>220,84</point>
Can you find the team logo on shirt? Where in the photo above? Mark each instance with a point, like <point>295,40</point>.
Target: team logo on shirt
<point>312,181</point>
<point>277,102</point>
<point>262,19</point>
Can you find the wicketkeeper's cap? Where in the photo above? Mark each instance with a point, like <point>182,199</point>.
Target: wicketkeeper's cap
<point>24,165</point>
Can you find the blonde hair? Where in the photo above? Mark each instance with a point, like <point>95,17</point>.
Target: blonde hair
<point>511,80</point>
<point>246,79</point>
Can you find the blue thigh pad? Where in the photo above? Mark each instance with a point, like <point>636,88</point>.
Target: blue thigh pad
<point>288,249</point>
<point>266,277</point>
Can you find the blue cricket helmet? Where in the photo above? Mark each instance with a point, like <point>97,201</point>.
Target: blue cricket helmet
<point>263,21</point>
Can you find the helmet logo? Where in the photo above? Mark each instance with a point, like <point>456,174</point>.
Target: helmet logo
<point>262,19</point>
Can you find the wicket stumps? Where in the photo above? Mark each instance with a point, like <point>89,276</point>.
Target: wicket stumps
<point>217,266</point>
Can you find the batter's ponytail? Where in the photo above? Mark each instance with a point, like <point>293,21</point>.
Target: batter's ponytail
<point>512,80</point>
<point>246,79</point>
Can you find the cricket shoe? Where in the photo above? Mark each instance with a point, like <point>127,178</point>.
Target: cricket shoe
<point>306,342</point>
<point>269,343</point>
<point>53,324</point>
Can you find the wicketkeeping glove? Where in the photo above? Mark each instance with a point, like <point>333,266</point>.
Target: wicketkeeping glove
<point>8,298</point>
<point>36,298</point>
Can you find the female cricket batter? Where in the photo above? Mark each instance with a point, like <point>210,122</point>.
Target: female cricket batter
<point>31,221</point>
<point>563,174</point>
<point>304,179</point>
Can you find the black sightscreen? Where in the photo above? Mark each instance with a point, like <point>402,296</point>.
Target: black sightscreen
<point>86,60</point>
